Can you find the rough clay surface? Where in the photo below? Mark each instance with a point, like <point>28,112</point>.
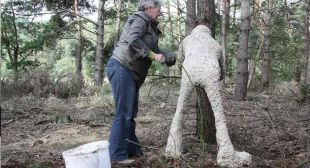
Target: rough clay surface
<point>201,67</point>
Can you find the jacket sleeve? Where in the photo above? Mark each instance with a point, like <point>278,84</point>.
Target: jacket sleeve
<point>136,31</point>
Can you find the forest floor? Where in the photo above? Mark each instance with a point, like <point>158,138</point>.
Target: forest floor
<point>274,128</point>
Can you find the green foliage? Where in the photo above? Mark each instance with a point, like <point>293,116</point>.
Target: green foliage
<point>286,47</point>
<point>232,47</point>
<point>65,4</point>
<point>304,90</point>
<point>40,165</point>
<point>17,37</point>
<point>63,67</point>
<point>22,38</point>
<point>286,42</point>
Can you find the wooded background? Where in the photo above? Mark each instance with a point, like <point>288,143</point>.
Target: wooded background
<point>265,41</point>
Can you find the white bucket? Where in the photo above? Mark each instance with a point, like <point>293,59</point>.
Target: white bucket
<point>91,155</point>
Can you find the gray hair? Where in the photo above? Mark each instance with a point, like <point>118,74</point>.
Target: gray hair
<point>143,4</point>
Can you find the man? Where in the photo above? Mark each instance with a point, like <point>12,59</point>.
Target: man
<point>127,70</point>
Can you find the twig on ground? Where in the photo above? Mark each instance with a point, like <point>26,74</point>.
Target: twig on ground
<point>141,144</point>
<point>7,123</point>
<point>31,137</point>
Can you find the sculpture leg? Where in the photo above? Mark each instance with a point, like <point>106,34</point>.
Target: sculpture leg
<point>174,143</point>
<point>227,156</point>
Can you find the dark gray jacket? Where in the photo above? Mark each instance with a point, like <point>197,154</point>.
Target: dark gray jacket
<point>139,36</point>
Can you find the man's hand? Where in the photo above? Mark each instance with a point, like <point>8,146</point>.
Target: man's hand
<point>160,58</point>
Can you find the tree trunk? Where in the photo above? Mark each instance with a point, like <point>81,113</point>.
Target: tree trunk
<point>225,26</point>
<point>205,117</point>
<point>240,91</point>
<point>14,58</point>
<point>170,25</point>
<point>253,66</point>
<point>255,22</point>
<point>179,61</point>
<point>305,71</point>
<point>79,46</point>
<point>179,22</point>
<point>206,14</point>
<point>190,16</point>
<point>266,25</point>
<point>99,47</point>
<point>234,12</point>
<point>118,21</point>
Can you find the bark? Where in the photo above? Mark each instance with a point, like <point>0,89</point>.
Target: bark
<point>118,21</point>
<point>14,56</point>
<point>79,46</point>
<point>305,75</point>
<point>234,12</point>
<point>179,22</point>
<point>179,61</point>
<point>286,12</point>
<point>99,47</point>
<point>256,8</point>
<point>190,16</point>
<point>225,26</point>
<point>240,91</point>
<point>266,25</point>
<point>206,14</point>
<point>255,22</point>
<point>205,116</point>
<point>170,25</point>
<point>253,66</point>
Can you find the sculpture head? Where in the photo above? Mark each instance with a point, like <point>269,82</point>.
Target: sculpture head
<point>201,29</point>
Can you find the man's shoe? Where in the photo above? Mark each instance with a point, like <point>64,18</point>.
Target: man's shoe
<point>126,162</point>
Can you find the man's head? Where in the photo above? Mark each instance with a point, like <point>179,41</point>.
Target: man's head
<point>151,7</point>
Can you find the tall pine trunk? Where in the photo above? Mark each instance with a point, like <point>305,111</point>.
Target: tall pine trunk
<point>170,25</point>
<point>206,14</point>
<point>118,21</point>
<point>266,25</point>
<point>205,117</point>
<point>190,16</point>
<point>178,64</point>
<point>305,71</point>
<point>225,26</point>
<point>190,25</point>
<point>14,57</point>
<point>234,12</point>
<point>255,22</point>
<point>307,34</point>
<point>179,22</point>
<point>99,47</point>
<point>79,46</point>
<point>240,91</point>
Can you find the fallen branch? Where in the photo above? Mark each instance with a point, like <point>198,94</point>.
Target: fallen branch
<point>7,123</point>
<point>163,76</point>
<point>141,145</point>
<point>12,120</point>
<point>42,122</point>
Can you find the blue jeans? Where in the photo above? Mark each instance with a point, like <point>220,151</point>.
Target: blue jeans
<point>126,94</point>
